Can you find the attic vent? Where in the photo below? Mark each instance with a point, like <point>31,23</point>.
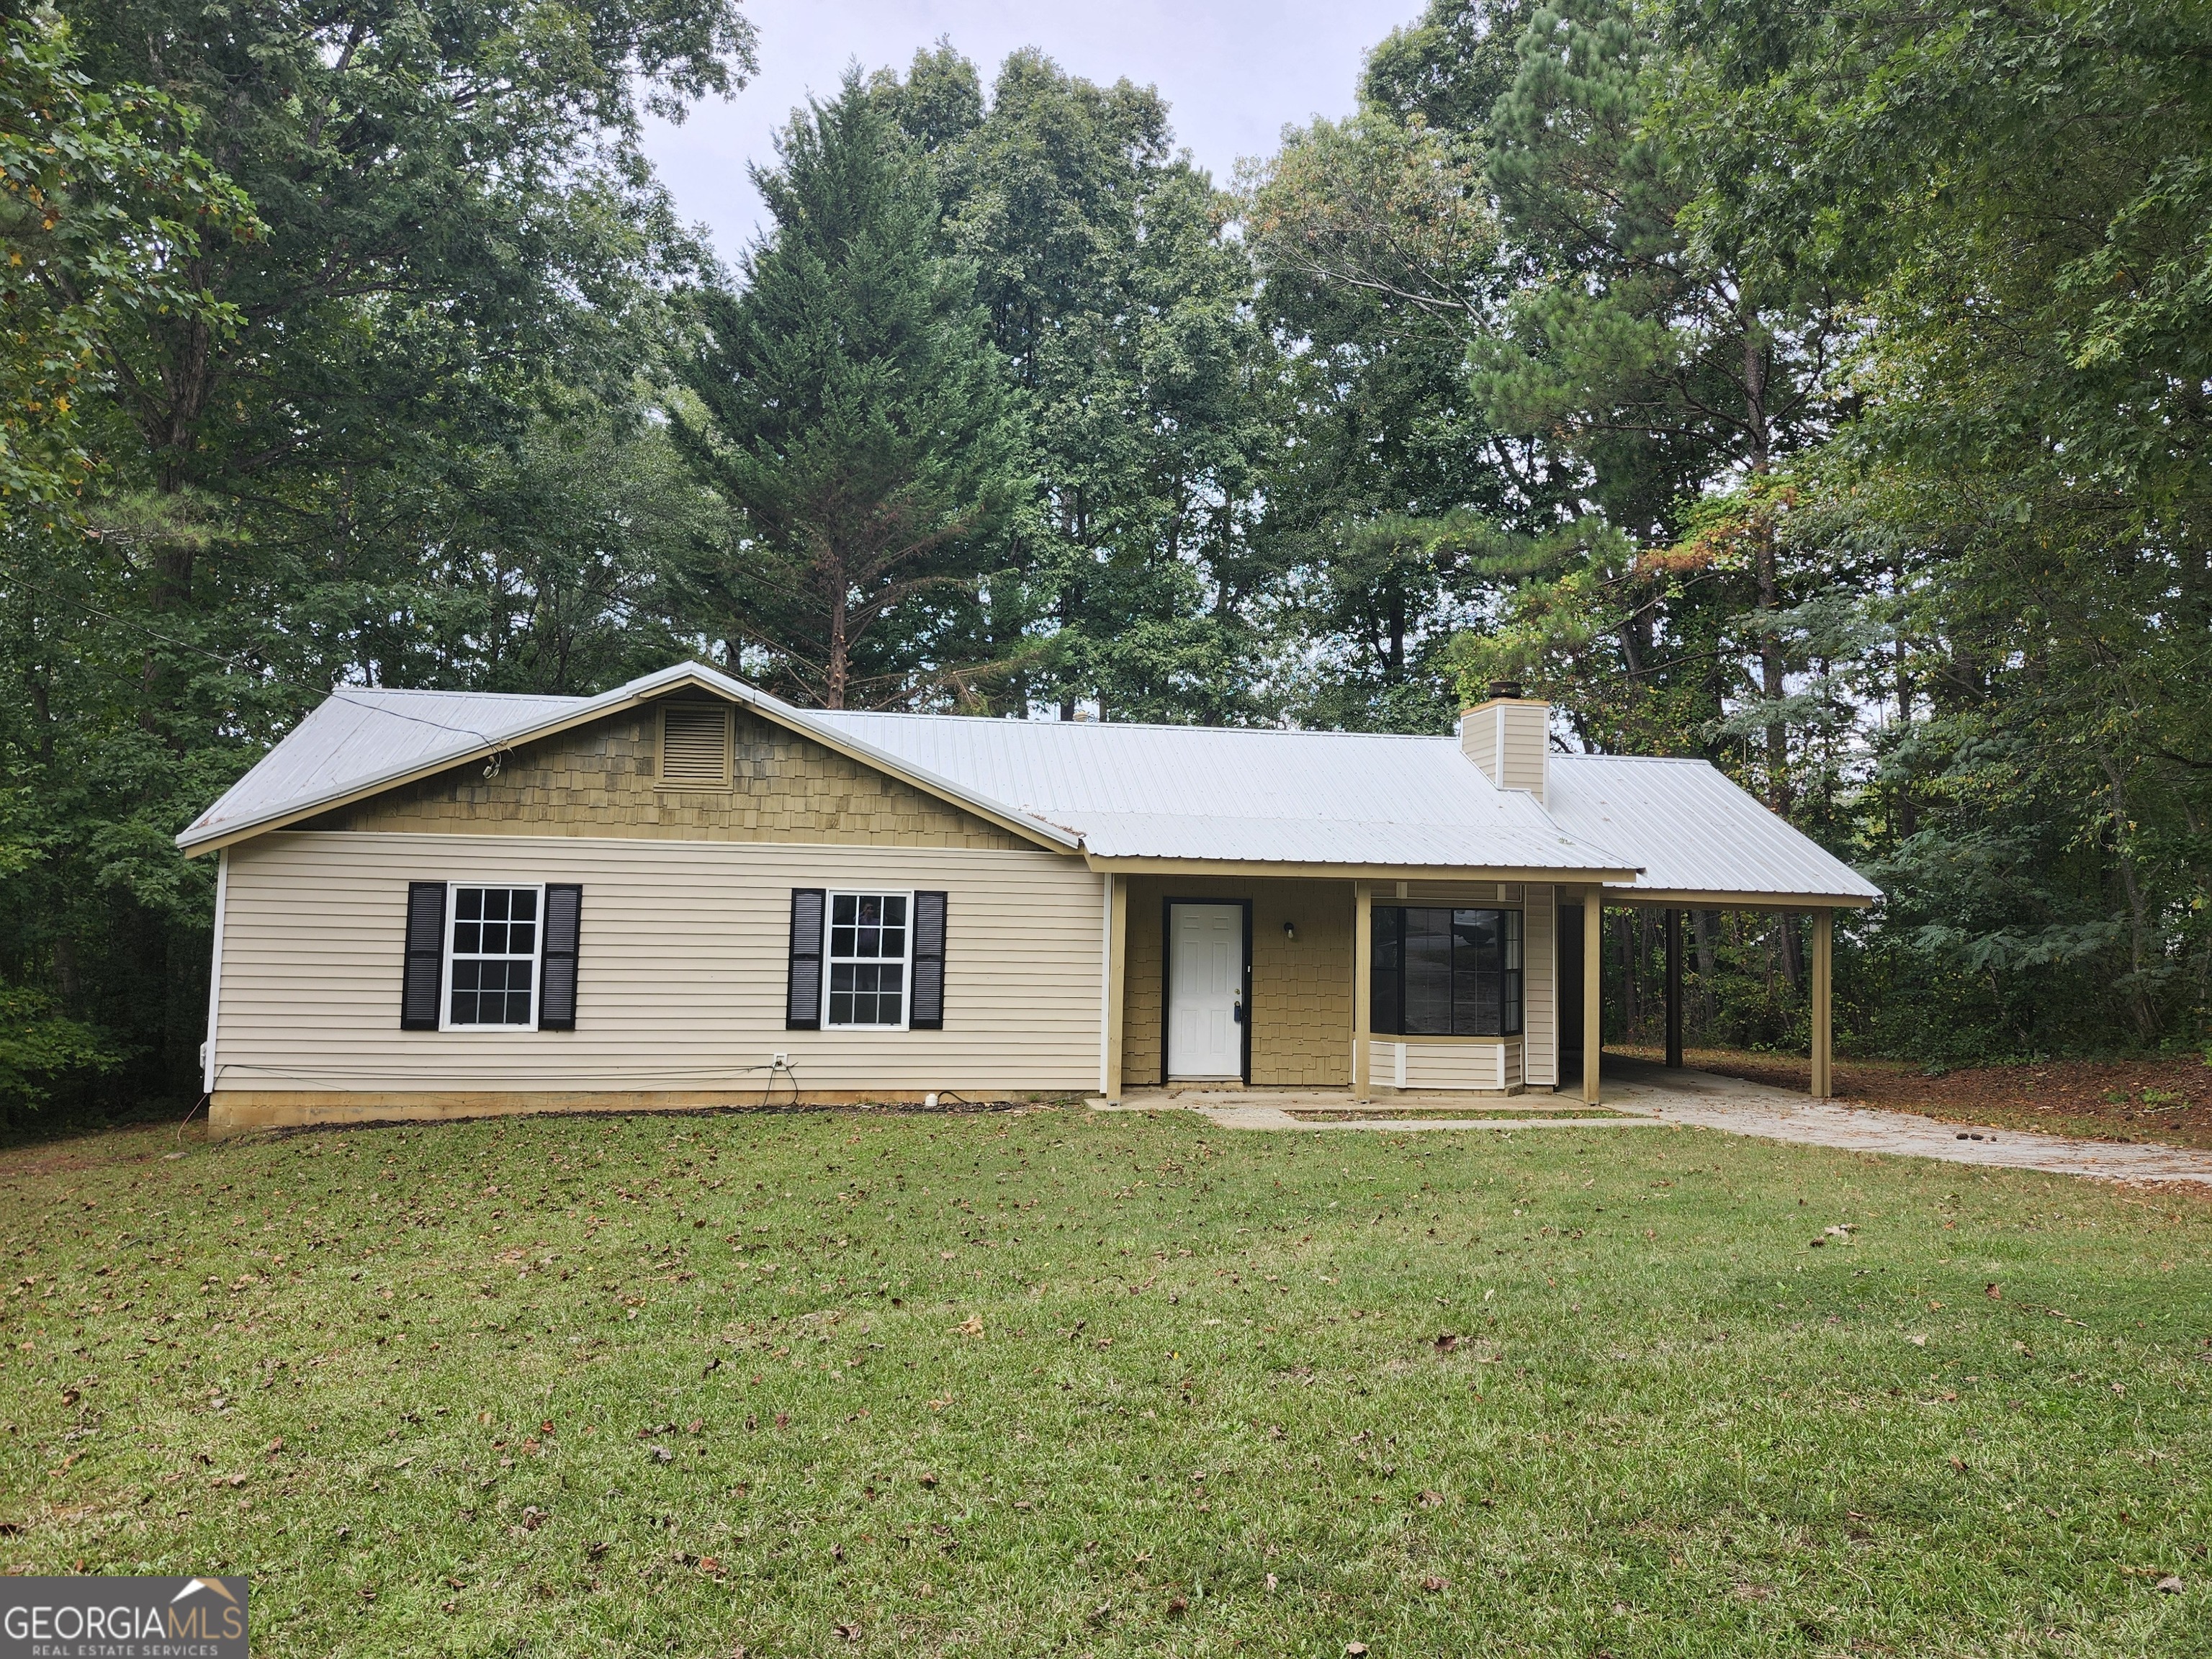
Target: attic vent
<point>694,742</point>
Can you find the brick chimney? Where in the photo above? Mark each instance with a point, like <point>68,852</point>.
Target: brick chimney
<point>1508,736</point>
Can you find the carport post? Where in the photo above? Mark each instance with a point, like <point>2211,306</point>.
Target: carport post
<point>1675,989</point>
<point>1362,971</point>
<point>1117,971</point>
<point>1593,992</point>
<point>1824,1024</point>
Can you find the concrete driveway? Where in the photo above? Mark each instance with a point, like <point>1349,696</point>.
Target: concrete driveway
<point>1639,1094</point>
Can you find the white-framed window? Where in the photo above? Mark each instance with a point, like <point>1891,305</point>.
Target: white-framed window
<point>870,940</point>
<point>493,939</point>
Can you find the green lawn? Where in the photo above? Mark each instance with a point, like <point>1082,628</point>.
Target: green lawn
<point>1052,1383</point>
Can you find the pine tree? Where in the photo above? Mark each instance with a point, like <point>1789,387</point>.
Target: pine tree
<point>854,413</point>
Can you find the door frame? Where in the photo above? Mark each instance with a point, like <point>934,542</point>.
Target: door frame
<point>1167,984</point>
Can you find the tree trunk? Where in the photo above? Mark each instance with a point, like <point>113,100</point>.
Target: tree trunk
<point>1708,999</point>
<point>838,667</point>
<point>2139,1004</point>
<point>1766,569</point>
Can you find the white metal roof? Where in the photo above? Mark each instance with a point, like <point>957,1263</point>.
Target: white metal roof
<point>356,736</point>
<point>1120,791</point>
<point>1241,794</point>
<point>1693,830</point>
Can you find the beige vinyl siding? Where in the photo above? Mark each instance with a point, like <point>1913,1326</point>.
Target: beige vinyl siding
<point>1509,741</point>
<point>1489,1066</point>
<point>682,968</point>
<point>1540,985</point>
<point>1461,894</point>
<point>1477,740</point>
<point>1521,742</point>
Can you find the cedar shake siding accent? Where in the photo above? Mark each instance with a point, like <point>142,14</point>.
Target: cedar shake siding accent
<point>604,779</point>
<point>682,963</point>
<point>1301,988</point>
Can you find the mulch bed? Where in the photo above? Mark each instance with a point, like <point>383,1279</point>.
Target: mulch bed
<point>2167,1100</point>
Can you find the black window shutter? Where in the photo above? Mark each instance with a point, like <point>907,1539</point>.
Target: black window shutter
<point>927,1011</point>
<point>556,990</point>
<point>425,973</point>
<point>802,1010</point>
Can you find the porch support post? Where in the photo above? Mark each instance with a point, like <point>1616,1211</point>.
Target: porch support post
<point>1823,1025</point>
<point>1117,974</point>
<point>1362,971</point>
<point>1675,989</point>
<point>1593,991</point>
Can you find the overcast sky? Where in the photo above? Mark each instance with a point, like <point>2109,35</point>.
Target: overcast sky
<point>1234,72</point>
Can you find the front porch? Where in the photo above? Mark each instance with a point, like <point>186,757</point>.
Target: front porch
<point>1234,981</point>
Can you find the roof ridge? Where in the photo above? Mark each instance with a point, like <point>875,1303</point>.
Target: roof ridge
<point>1000,721</point>
<point>1658,760</point>
<point>342,691</point>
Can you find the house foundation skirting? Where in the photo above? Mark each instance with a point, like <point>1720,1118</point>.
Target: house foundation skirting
<point>240,1111</point>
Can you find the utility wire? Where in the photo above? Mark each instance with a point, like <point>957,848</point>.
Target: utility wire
<point>245,662</point>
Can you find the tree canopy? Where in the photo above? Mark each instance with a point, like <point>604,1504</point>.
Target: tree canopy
<point>1822,393</point>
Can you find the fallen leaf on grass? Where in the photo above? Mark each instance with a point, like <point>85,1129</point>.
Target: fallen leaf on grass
<point>1959,1464</point>
<point>1355,1649</point>
<point>1435,1582</point>
<point>661,1453</point>
<point>850,1633</point>
<point>1430,1500</point>
<point>971,1326</point>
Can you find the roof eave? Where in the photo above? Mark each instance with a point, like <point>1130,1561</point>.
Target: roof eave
<point>1741,899</point>
<point>1306,870</point>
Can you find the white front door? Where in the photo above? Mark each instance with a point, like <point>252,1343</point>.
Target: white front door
<point>1206,991</point>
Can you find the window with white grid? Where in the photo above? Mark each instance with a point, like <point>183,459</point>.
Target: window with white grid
<point>491,972</point>
<point>869,949</point>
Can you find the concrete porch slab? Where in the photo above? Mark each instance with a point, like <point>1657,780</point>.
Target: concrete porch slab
<point>1280,1109</point>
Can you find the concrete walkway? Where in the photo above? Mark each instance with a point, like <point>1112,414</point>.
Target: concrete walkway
<point>1643,1095</point>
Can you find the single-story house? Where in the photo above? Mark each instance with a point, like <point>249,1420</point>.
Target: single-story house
<point>686,892</point>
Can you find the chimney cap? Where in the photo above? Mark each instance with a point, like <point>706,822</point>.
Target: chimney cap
<point>1505,689</point>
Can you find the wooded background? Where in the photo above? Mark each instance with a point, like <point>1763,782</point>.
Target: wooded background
<point>1821,392</point>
